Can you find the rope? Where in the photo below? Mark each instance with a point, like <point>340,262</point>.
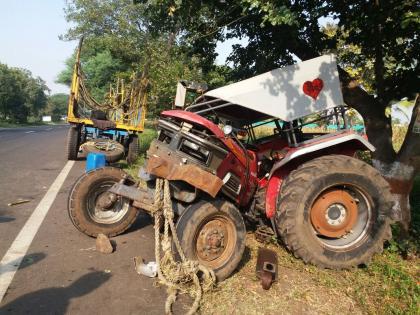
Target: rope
<point>179,276</point>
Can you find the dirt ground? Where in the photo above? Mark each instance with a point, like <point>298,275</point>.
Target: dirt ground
<point>294,293</point>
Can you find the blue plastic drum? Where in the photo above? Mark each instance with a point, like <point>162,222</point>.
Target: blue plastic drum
<point>95,160</point>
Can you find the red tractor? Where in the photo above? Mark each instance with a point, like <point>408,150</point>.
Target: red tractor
<point>243,151</point>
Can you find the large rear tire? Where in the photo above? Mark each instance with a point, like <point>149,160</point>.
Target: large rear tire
<point>133,149</point>
<point>89,207</point>
<point>333,212</point>
<point>213,232</point>
<point>73,142</point>
<point>113,150</point>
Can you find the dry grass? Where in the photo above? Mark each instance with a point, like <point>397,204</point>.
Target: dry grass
<point>388,286</point>
<point>297,291</point>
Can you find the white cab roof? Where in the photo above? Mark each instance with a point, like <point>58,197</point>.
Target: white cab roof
<point>280,92</point>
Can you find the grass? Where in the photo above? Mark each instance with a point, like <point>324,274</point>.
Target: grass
<point>389,285</point>
<point>146,138</point>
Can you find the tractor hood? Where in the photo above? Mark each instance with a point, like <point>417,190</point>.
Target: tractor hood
<point>287,93</point>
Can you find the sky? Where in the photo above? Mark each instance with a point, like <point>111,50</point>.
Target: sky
<point>29,31</point>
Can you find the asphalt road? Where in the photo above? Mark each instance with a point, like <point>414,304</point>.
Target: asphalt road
<point>61,272</point>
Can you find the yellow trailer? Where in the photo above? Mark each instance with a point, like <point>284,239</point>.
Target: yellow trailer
<point>111,127</point>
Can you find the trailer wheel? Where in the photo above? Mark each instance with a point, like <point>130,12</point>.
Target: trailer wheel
<point>213,232</point>
<point>113,150</point>
<point>333,212</point>
<point>133,149</point>
<point>73,142</point>
<point>93,210</point>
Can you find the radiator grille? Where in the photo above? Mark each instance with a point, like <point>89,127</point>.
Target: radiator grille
<point>232,184</point>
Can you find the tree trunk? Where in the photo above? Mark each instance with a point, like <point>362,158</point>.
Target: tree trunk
<point>399,169</point>
<point>401,173</point>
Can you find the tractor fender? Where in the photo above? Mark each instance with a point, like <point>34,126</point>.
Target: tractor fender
<point>273,190</point>
<point>355,141</point>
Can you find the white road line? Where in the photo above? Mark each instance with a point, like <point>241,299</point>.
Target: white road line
<point>17,251</point>
<point>48,129</point>
<point>30,131</point>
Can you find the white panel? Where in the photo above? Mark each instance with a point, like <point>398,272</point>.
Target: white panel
<point>181,92</point>
<point>279,93</point>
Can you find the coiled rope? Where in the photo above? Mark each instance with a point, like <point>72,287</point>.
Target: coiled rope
<point>185,276</point>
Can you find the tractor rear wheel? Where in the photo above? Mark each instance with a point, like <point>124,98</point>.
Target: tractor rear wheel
<point>333,212</point>
<point>73,142</point>
<point>94,210</point>
<point>213,232</point>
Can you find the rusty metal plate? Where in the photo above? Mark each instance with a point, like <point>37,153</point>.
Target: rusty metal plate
<point>267,267</point>
<point>172,169</point>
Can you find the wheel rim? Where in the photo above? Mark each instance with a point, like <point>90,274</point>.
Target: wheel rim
<point>340,216</point>
<point>105,145</point>
<point>104,207</point>
<point>215,241</point>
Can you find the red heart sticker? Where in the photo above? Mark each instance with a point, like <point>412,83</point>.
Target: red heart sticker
<point>313,88</point>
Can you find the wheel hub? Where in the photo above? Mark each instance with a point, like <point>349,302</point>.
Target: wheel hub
<point>106,200</point>
<point>211,240</point>
<point>334,213</point>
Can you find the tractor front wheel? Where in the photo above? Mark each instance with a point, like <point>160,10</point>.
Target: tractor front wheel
<point>94,210</point>
<point>333,212</point>
<point>213,232</point>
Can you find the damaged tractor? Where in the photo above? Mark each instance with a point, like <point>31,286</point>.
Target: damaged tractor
<point>244,152</point>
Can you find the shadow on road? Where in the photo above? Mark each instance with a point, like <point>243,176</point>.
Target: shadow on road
<point>55,300</point>
<point>4,219</point>
<point>27,261</point>
<point>31,259</point>
<point>142,221</point>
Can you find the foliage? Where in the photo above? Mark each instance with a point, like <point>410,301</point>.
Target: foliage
<point>21,95</point>
<point>100,69</point>
<point>363,33</point>
<point>119,40</point>
<point>57,106</point>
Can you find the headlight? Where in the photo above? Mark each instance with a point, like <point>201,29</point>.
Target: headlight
<point>227,130</point>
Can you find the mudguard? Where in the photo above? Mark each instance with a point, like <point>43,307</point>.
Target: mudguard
<point>280,170</point>
<point>353,141</point>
